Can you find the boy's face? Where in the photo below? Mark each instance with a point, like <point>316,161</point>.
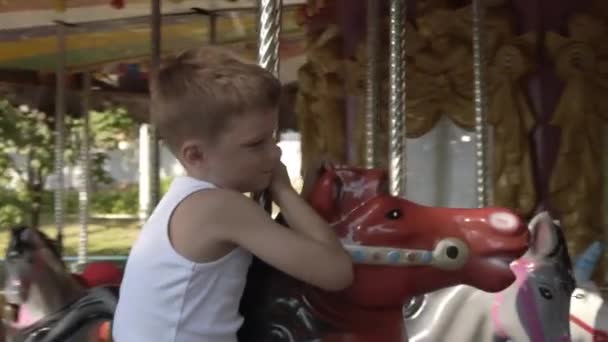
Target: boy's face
<point>245,154</point>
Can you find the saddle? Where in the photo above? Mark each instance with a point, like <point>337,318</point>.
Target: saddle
<point>97,304</point>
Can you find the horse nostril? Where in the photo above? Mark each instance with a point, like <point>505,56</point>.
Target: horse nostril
<point>504,221</point>
<point>452,252</point>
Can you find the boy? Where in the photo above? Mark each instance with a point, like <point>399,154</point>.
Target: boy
<point>186,272</point>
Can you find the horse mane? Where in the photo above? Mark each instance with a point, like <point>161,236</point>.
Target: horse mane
<point>562,254</point>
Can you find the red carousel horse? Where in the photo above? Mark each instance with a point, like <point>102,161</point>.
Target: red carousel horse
<point>400,250</point>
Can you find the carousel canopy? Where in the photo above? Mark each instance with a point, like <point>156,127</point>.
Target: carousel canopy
<point>101,32</point>
<point>112,39</point>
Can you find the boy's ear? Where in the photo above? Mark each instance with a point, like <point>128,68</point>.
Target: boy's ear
<point>192,152</point>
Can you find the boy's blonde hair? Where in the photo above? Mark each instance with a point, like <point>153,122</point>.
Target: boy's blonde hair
<point>197,92</point>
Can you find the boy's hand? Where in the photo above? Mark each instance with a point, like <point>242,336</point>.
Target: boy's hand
<point>280,181</point>
<point>313,172</point>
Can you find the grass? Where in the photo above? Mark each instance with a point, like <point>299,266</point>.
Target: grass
<point>106,236</point>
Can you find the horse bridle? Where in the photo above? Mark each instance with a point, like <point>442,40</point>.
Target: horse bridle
<point>449,254</point>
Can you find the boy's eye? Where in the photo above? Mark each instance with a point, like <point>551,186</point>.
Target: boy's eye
<point>255,143</point>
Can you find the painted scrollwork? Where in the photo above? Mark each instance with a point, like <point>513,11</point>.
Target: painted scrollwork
<point>581,61</point>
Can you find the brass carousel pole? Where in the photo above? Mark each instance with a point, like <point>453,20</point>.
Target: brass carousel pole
<point>60,79</point>
<point>481,125</point>
<point>371,110</point>
<point>397,108</point>
<point>85,179</point>
<point>269,32</point>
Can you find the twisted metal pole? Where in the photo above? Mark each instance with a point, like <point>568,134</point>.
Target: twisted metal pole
<point>85,177</point>
<point>60,79</point>
<point>397,105</point>
<point>372,85</point>
<point>481,126</point>
<point>269,32</point>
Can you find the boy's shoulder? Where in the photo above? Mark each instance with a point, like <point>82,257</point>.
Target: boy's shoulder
<point>217,196</point>
<point>205,222</point>
<point>209,204</point>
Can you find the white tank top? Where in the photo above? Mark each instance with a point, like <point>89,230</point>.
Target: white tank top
<point>164,297</point>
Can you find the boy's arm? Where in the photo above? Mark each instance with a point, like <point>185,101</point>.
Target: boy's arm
<point>316,257</point>
<point>303,219</point>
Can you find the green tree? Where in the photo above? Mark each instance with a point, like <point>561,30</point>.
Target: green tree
<point>27,155</point>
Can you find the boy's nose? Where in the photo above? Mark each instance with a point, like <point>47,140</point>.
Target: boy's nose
<point>276,153</point>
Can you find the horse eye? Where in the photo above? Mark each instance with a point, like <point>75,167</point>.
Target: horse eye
<point>451,254</point>
<point>394,214</point>
<point>545,292</point>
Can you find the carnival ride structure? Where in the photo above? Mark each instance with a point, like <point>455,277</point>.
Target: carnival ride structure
<point>526,77</point>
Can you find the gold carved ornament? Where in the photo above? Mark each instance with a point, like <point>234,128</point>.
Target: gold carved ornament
<point>512,121</point>
<point>320,102</point>
<point>581,62</point>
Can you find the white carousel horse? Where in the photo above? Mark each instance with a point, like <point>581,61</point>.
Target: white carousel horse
<point>588,310</point>
<point>534,308</point>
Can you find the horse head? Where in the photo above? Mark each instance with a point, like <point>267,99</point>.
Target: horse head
<point>385,233</point>
<point>30,257</point>
<point>52,305</point>
<point>393,241</point>
<point>537,305</point>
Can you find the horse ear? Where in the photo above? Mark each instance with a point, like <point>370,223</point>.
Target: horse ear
<point>544,236</point>
<point>328,165</point>
<point>585,264</point>
<point>16,230</point>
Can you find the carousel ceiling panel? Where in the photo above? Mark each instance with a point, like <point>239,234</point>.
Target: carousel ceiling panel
<point>96,43</point>
<point>33,13</point>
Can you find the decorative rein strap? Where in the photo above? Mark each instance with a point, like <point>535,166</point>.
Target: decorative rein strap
<point>449,254</point>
